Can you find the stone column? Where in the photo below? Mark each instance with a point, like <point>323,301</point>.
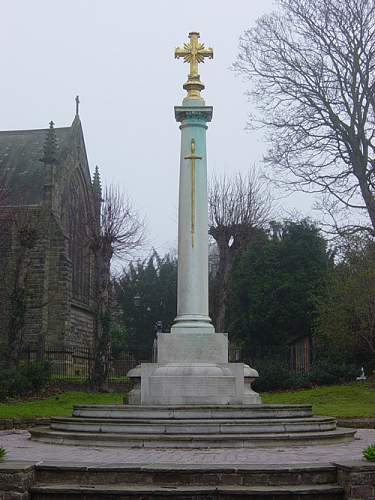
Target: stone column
<point>192,288</point>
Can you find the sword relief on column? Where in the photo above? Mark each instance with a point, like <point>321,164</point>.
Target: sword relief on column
<point>193,157</point>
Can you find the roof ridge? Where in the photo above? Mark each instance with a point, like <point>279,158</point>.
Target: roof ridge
<point>31,130</point>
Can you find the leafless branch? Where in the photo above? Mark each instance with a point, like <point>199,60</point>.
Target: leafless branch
<point>239,210</point>
<point>237,204</point>
<point>312,72</point>
<point>120,228</point>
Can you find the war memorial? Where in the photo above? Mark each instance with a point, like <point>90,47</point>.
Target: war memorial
<point>193,401</point>
<point>192,396</point>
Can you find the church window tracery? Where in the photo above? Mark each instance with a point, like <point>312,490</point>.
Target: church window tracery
<point>79,247</point>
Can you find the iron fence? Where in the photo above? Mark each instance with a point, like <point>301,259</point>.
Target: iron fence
<point>77,363</point>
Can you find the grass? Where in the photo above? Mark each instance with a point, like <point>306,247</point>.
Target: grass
<point>345,401</point>
<point>72,378</point>
<point>353,400</point>
<point>56,406</point>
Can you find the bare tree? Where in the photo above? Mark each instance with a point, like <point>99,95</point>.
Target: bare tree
<point>3,190</point>
<point>239,208</point>
<point>5,216</point>
<point>117,232</point>
<point>22,230</point>
<point>312,67</point>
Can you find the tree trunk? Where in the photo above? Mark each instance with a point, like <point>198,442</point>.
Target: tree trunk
<point>102,322</point>
<point>241,236</point>
<point>226,259</point>
<point>221,292</point>
<point>367,195</point>
<point>17,309</point>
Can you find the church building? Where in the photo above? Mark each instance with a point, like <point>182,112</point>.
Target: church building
<point>49,206</point>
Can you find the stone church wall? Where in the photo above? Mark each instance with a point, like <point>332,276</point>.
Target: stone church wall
<point>36,259</point>
<point>59,201</point>
<point>52,319</point>
<point>5,255</point>
<point>59,286</point>
<point>82,326</point>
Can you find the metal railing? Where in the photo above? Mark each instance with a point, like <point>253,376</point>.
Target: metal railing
<point>77,363</point>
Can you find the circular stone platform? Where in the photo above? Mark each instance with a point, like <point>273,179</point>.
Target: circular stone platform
<point>192,427</point>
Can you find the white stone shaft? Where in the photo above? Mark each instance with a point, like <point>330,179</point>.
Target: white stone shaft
<point>192,287</point>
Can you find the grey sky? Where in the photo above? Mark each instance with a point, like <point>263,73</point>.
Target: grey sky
<point>118,56</point>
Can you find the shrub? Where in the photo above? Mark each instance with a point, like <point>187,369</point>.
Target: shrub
<point>369,453</point>
<point>275,375</point>
<point>3,453</point>
<point>39,374</point>
<point>24,380</point>
<point>324,372</point>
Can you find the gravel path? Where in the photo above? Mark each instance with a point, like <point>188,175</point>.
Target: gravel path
<point>20,447</point>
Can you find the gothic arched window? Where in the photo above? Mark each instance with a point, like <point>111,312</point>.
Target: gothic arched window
<point>79,245</point>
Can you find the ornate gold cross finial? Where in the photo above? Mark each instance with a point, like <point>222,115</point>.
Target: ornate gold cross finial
<point>194,52</point>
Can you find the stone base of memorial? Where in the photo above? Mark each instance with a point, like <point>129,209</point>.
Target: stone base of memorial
<point>192,398</point>
<point>192,368</point>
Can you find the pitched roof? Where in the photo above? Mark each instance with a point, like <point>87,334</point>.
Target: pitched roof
<point>21,170</point>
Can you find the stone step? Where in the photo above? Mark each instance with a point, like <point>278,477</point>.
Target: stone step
<point>192,411</point>
<point>163,440</point>
<point>185,474</point>
<point>193,426</point>
<point>139,492</point>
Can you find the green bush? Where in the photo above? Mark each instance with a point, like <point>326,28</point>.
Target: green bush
<point>275,375</point>
<point>3,453</point>
<point>24,380</point>
<point>325,372</point>
<point>369,453</point>
<point>39,374</point>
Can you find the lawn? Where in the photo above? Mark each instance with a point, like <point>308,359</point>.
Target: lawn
<point>58,405</point>
<point>353,400</point>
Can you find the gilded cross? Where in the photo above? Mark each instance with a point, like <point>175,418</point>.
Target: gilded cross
<point>193,157</point>
<point>194,53</point>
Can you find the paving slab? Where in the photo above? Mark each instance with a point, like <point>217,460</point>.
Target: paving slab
<point>20,447</point>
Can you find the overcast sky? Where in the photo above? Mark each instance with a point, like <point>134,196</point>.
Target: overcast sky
<point>118,55</point>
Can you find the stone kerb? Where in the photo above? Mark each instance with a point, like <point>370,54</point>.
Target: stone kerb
<point>16,479</point>
<point>357,479</point>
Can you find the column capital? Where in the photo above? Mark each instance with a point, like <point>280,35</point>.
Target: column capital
<point>194,113</point>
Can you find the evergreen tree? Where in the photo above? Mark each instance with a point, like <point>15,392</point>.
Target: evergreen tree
<point>274,288</point>
<point>346,322</point>
<point>146,294</point>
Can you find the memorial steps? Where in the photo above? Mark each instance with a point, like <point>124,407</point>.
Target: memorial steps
<point>188,482</point>
<point>192,427</point>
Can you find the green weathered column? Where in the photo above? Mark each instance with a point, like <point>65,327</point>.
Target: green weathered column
<point>192,289</point>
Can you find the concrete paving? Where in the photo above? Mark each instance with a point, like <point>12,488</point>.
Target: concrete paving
<point>20,447</point>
